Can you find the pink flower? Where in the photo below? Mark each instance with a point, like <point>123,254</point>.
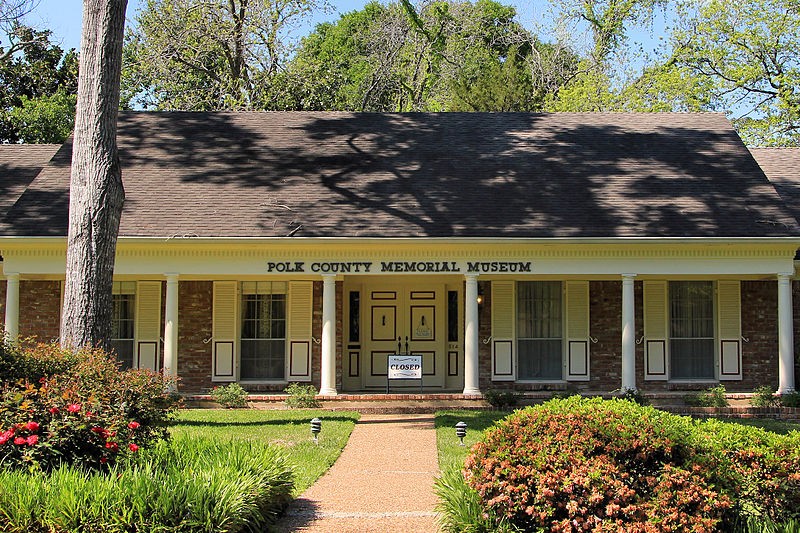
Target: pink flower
<point>113,446</point>
<point>74,407</point>
<point>6,435</point>
<point>32,426</point>
<point>19,441</point>
<point>133,425</point>
<point>32,440</point>
<point>133,447</point>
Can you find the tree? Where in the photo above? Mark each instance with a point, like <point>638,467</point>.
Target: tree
<point>202,55</point>
<point>96,191</point>
<point>38,84</point>
<point>441,56</point>
<point>750,51</point>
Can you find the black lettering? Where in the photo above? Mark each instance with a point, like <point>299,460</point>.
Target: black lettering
<point>472,267</point>
<point>525,267</point>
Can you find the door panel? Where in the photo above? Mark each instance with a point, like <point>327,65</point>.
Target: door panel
<point>404,317</point>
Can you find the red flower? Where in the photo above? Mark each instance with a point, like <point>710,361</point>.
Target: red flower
<point>133,425</point>
<point>133,447</point>
<point>74,407</point>
<point>32,426</point>
<point>53,410</point>
<point>19,441</point>
<point>100,431</point>
<point>113,446</point>
<point>32,440</point>
<point>103,460</point>
<point>6,435</point>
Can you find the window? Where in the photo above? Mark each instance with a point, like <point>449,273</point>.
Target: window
<point>122,321</point>
<point>452,316</point>
<point>355,316</point>
<point>263,339</point>
<point>539,330</point>
<point>691,329</point>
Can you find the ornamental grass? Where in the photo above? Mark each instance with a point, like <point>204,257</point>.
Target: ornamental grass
<point>185,485</point>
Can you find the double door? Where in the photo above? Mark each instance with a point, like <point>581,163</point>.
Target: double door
<point>404,318</point>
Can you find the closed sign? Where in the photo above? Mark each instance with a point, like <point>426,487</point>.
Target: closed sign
<point>405,367</point>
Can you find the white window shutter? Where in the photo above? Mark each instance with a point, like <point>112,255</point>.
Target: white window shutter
<point>225,322</point>
<point>730,330</point>
<point>503,322</point>
<point>301,311</point>
<point>148,325</point>
<point>656,349</point>
<point>577,293</point>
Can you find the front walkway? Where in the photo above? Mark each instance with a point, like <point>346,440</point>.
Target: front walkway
<point>382,482</point>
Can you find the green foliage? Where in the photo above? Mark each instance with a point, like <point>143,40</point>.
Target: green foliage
<point>501,399</point>
<point>301,396</point>
<point>77,408</point>
<point>46,119</point>
<point>215,55</point>
<point>38,84</point>
<point>765,397</point>
<point>579,464</point>
<point>713,397</point>
<point>441,56</point>
<point>748,50</point>
<point>635,396</point>
<point>230,395</point>
<point>790,399</point>
<point>187,485</point>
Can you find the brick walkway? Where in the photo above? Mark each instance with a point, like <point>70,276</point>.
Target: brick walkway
<point>382,482</point>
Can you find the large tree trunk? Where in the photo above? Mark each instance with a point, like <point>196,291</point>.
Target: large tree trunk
<point>96,193</point>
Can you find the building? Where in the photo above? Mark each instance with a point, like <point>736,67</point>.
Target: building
<point>584,251</point>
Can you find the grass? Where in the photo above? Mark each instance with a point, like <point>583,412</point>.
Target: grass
<point>451,453</point>
<point>288,429</point>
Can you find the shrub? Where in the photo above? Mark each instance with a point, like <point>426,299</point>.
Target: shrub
<point>231,395</point>
<point>713,397</point>
<point>593,464</point>
<point>760,469</point>
<point>588,464</point>
<point>89,413</point>
<point>765,397</point>
<point>301,396</point>
<point>501,399</point>
<point>790,399</point>
<point>635,396</point>
<point>188,484</point>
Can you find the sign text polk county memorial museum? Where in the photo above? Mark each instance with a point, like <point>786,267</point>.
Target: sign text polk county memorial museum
<point>374,267</point>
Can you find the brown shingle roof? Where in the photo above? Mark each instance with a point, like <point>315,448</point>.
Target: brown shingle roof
<point>19,165</point>
<point>782,167</point>
<point>426,175</point>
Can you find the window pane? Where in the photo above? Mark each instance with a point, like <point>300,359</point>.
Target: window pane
<point>691,305</point>
<point>124,351</point>
<point>539,330</point>
<point>452,316</point>
<point>263,345</point>
<point>540,359</point>
<point>355,316</point>
<point>122,327</point>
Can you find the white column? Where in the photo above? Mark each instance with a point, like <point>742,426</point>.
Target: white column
<point>12,306</point>
<point>785,335</point>
<point>328,378</point>
<point>471,368</point>
<point>628,334</point>
<point>171,326</point>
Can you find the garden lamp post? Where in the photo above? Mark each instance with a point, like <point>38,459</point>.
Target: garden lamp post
<point>461,432</point>
<point>316,427</point>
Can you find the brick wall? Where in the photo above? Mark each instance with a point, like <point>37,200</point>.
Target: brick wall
<point>195,301</point>
<point>39,309</point>
<point>759,326</point>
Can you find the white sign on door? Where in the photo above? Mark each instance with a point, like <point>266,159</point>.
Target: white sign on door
<point>405,367</point>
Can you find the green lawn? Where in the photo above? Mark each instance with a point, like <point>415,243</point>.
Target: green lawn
<point>289,429</point>
<point>451,453</point>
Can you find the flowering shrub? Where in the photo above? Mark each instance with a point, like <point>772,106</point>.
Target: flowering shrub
<point>578,464</point>
<point>230,395</point>
<point>89,412</point>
